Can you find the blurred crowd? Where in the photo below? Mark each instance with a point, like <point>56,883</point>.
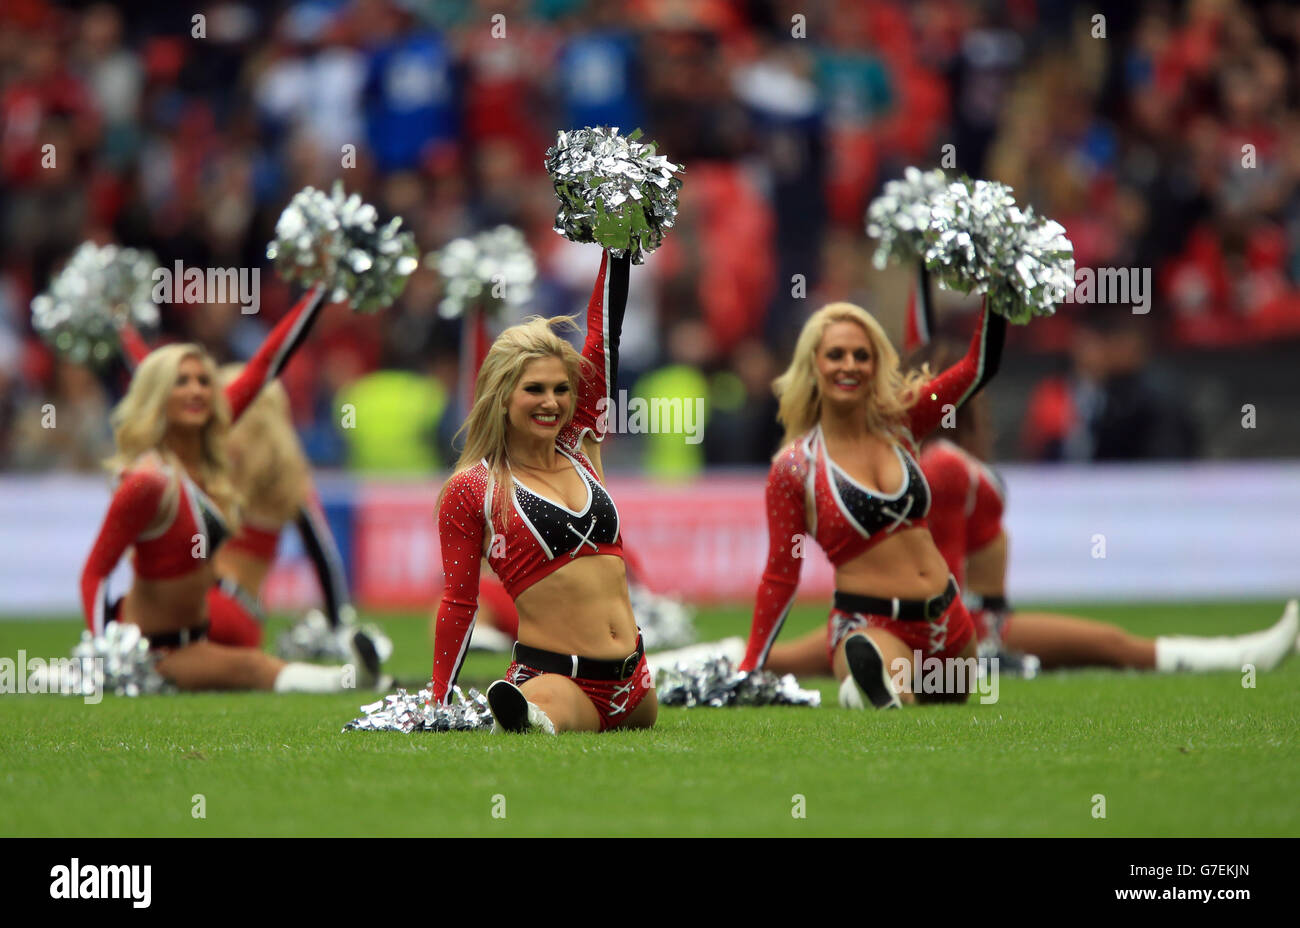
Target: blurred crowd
<point>1162,135</point>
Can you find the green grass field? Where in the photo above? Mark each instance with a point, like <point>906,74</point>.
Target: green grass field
<point>1172,755</point>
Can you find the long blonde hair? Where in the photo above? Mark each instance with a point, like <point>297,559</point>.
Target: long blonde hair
<point>267,463</point>
<point>485,428</point>
<point>140,422</point>
<point>892,391</point>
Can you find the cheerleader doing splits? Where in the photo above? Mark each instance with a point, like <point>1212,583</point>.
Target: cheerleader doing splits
<point>528,493</point>
<point>270,470</point>
<point>848,476</point>
<point>174,504</point>
<point>969,499</point>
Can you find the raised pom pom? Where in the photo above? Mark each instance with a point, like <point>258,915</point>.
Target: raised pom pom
<point>494,269</point>
<point>899,217</point>
<point>614,191</point>
<point>333,241</point>
<point>100,290</point>
<point>980,241</point>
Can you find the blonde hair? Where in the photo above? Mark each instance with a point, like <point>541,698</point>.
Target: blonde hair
<point>267,463</point>
<point>140,422</point>
<point>485,428</point>
<point>892,391</point>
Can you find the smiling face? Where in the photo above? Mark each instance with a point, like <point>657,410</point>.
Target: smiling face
<point>845,364</point>
<point>189,405</point>
<point>541,401</point>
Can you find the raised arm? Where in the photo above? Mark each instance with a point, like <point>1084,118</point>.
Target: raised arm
<point>605,312</point>
<point>134,506</point>
<point>460,531</point>
<point>963,380</point>
<point>787,541</point>
<point>319,544</point>
<point>271,358</point>
<point>134,347</point>
<point>918,324</point>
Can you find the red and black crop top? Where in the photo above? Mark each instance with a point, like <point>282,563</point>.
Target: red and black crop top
<point>540,535</point>
<point>807,493</point>
<point>197,528</point>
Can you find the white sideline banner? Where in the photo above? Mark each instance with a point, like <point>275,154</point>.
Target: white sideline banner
<point>1115,532</point>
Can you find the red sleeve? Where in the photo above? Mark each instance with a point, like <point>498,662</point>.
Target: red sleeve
<point>134,348</point>
<point>605,312</point>
<point>961,381</point>
<point>787,542</point>
<point>460,531</point>
<point>918,323</point>
<point>134,505</point>
<point>951,496</point>
<point>271,358</point>
<point>985,523</point>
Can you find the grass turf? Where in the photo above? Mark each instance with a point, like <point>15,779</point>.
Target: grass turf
<point>1172,755</point>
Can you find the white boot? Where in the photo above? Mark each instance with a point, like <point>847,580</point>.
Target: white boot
<point>309,678</point>
<point>731,648</point>
<point>1264,650</point>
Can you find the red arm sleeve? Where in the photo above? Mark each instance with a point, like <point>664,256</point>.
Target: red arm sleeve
<point>284,340</point>
<point>134,348</point>
<point>787,539</point>
<point>134,505</point>
<point>918,323</point>
<point>605,312</point>
<point>961,381</point>
<point>460,531</point>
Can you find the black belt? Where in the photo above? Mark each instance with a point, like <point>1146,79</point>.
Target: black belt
<point>908,610</point>
<point>991,603</point>
<point>179,639</point>
<point>585,668</point>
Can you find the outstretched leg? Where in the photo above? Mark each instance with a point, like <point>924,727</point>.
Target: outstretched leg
<point>1066,641</point>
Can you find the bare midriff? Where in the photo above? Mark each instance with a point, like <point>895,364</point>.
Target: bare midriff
<point>906,565</point>
<point>582,608</point>
<point>161,606</point>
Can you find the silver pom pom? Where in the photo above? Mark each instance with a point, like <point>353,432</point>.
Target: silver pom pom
<point>407,712</point>
<point>979,241</point>
<point>312,638</point>
<point>664,622</point>
<point>333,241</point>
<point>715,682</point>
<point>128,664</point>
<point>98,291</point>
<point>900,216</point>
<point>496,269</point>
<point>614,191</point>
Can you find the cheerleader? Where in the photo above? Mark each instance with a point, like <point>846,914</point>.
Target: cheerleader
<point>528,494</point>
<point>965,519</point>
<point>269,469</point>
<point>174,504</point>
<point>848,477</point>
